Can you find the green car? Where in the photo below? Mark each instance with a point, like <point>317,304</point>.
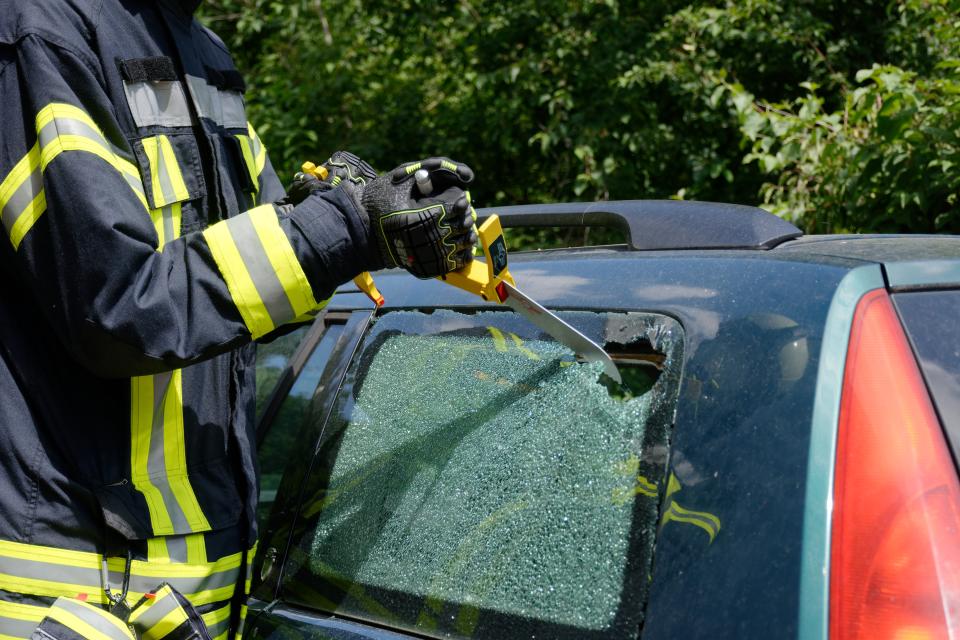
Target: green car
<point>780,459</point>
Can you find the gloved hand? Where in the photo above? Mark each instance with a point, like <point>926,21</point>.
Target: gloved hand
<point>426,234</point>
<point>341,166</point>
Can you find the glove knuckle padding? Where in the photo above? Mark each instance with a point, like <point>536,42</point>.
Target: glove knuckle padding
<point>348,166</point>
<point>427,236</point>
<point>416,240</point>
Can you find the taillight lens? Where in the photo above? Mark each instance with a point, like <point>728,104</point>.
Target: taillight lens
<point>895,554</point>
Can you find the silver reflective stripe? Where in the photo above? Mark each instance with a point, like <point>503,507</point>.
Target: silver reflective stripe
<point>168,229</point>
<point>91,578</point>
<point>155,612</point>
<point>93,618</point>
<point>158,104</point>
<point>17,628</point>
<point>70,127</point>
<point>234,114</point>
<point>176,548</point>
<point>36,570</point>
<point>218,629</point>
<point>163,175</point>
<point>186,586</point>
<point>135,183</point>
<point>223,107</point>
<point>256,147</point>
<point>261,271</point>
<point>156,465</point>
<point>21,199</point>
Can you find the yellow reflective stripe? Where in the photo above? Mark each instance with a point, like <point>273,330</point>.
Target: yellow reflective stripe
<point>157,550</point>
<point>17,621</point>
<point>217,622</point>
<point>22,198</point>
<point>100,146</point>
<point>158,457</point>
<point>260,269</point>
<point>237,279</point>
<point>190,548</point>
<point>142,409</point>
<point>166,180</point>
<point>158,617</point>
<point>28,218</point>
<point>259,151</point>
<point>60,128</point>
<point>249,160</point>
<point>283,260</point>
<point>88,620</point>
<point>19,611</point>
<point>243,619</point>
<point>166,624</point>
<point>196,549</point>
<point>166,220</point>
<point>175,456</point>
<point>51,572</point>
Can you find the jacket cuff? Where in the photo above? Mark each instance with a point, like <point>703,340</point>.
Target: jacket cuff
<point>333,246</point>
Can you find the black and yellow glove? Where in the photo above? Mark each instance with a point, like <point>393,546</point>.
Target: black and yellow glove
<point>426,234</point>
<point>341,166</point>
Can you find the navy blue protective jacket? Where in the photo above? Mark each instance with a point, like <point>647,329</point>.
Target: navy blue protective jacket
<point>140,258</point>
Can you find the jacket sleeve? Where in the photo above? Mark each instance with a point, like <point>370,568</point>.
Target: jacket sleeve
<point>79,228</point>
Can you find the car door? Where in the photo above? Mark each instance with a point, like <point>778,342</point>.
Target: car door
<point>460,474</point>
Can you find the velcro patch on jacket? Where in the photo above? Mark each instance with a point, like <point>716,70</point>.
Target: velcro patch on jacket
<point>154,69</point>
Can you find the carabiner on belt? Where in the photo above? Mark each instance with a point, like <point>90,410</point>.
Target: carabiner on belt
<point>118,603</point>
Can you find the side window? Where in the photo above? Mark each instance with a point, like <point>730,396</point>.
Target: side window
<point>277,437</point>
<point>475,480</point>
<point>272,359</point>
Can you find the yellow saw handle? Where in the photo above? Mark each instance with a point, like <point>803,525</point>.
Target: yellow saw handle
<point>479,278</point>
<point>483,278</point>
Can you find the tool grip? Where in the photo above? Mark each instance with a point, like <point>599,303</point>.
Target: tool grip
<point>483,278</point>
<point>479,278</point>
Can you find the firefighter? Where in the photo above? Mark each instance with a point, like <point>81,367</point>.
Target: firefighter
<point>147,244</point>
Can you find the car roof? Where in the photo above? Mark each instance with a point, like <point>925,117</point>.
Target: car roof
<point>659,231</point>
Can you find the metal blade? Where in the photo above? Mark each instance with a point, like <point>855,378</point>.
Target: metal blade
<point>560,330</point>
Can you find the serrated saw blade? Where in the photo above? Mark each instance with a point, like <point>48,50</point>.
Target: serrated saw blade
<point>562,332</point>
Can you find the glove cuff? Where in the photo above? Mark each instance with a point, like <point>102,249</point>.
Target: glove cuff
<point>338,235</point>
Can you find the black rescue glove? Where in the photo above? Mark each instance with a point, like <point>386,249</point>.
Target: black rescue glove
<point>428,234</point>
<point>341,166</point>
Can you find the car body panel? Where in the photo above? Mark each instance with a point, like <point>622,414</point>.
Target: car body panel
<point>756,453</point>
<point>818,502</point>
<point>286,622</point>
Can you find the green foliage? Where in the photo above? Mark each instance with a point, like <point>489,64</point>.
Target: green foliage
<point>886,159</point>
<point>756,101</point>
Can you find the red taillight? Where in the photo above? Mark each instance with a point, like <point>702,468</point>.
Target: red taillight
<point>895,550</point>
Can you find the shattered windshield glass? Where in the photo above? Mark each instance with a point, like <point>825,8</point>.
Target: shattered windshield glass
<point>476,479</point>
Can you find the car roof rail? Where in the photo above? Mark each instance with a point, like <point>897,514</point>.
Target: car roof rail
<point>652,225</point>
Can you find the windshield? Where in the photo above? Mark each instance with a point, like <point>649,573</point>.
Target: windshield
<point>476,480</point>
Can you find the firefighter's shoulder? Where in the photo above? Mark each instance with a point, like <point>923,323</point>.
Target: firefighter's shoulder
<point>63,22</point>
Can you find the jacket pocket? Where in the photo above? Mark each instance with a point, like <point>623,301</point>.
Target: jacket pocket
<point>169,496</point>
<point>172,174</point>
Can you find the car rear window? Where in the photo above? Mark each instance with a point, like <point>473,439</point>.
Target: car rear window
<point>474,480</point>
<point>930,318</point>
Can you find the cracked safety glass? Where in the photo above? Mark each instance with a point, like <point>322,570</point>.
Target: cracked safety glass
<point>475,480</point>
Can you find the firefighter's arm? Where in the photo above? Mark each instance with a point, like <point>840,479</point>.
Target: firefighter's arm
<point>76,221</point>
